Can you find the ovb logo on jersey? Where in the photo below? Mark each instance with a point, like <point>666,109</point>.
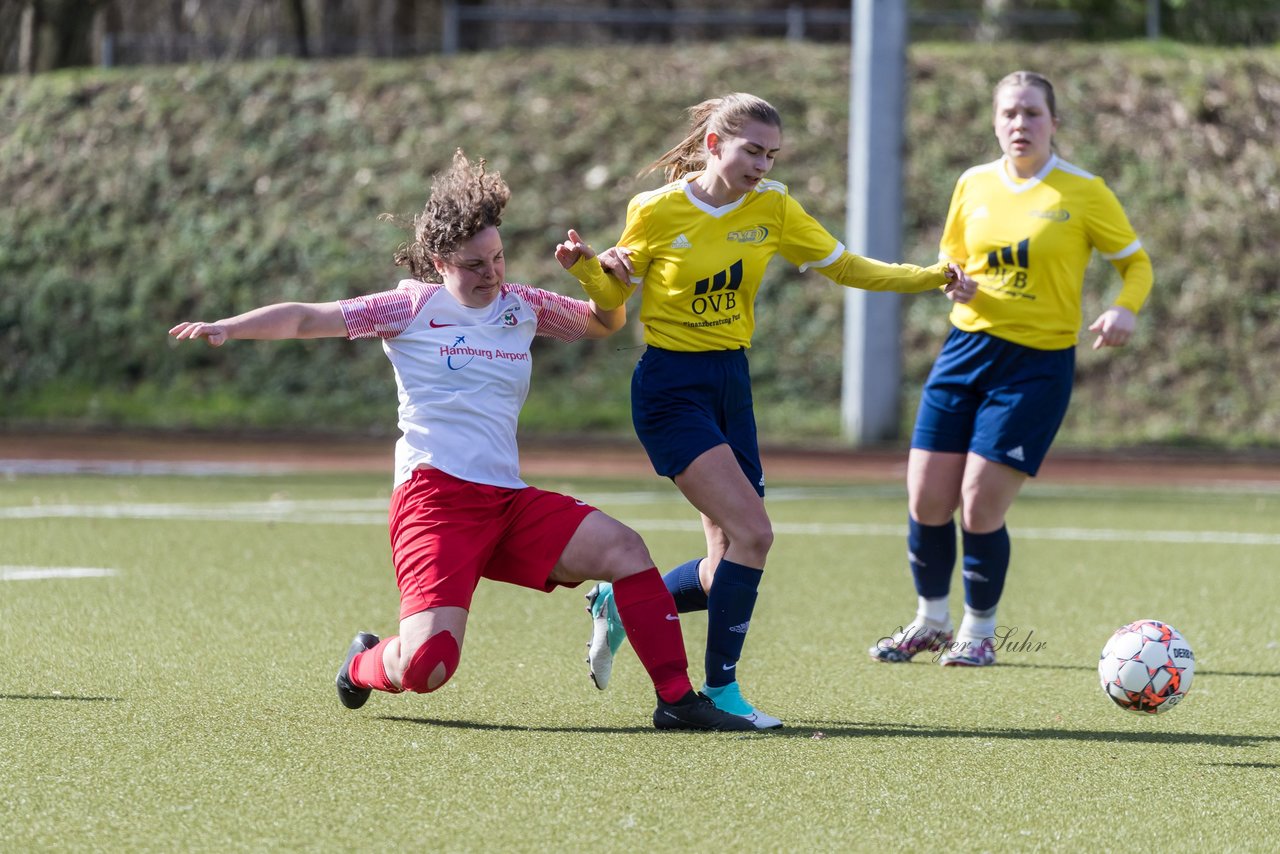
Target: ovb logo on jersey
<point>718,292</point>
<point>1006,255</point>
<point>1009,265</point>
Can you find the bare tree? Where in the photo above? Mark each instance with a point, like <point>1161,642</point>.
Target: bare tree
<point>297,12</point>
<point>56,34</point>
<point>334,24</point>
<point>644,32</point>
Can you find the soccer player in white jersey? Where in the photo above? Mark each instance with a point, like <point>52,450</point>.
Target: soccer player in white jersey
<point>458,336</point>
<point>1025,227</point>
<point>697,248</point>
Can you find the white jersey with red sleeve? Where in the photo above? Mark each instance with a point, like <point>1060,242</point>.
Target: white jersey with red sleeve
<point>462,373</point>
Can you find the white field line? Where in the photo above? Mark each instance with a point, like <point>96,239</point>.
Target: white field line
<point>133,468</point>
<point>39,573</point>
<point>374,512</point>
<point>828,529</point>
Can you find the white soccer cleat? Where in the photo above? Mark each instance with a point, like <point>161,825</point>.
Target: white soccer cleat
<point>607,634</point>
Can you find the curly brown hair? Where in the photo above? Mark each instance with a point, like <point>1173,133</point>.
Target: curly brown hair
<point>464,201</point>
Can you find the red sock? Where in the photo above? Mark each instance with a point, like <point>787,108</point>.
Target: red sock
<point>649,615</point>
<point>368,671</point>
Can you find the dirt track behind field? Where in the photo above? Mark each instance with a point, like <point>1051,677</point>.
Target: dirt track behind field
<point>576,457</point>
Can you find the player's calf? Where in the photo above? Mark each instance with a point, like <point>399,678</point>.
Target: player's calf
<point>432,664</point>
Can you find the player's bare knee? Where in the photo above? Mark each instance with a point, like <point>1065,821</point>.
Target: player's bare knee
<point>930,511</point>
<point>625,554</point>
<point>978,519</point>
<point>754,539</point>
<point>432,664</point>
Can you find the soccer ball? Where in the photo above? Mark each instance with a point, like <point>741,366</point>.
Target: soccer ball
<point>1146,667</point>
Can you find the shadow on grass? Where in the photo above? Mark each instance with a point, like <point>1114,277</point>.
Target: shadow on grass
<point>815,729</point>
<point>849,729</point>
<point>1243,764</point>
<point>59,697</point>
<point>478,725</point>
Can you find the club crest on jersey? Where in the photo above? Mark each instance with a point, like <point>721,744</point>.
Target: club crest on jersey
<point>759,234</point>
<point>509,318</point>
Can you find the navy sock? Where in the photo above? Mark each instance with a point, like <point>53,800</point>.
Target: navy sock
<point>986,563</point>
<point>931,550</point>
<point>729,606</point>
<point>686,587</point>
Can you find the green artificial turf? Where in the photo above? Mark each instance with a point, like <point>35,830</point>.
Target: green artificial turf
<point>186,702</point>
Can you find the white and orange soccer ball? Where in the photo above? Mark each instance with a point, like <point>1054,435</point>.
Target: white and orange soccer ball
<point>1146,667</point>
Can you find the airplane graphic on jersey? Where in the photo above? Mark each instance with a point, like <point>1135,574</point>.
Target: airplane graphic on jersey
<point>462,339</point>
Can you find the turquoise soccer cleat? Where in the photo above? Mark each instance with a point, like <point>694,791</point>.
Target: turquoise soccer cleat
<point>607,633</point>
<point>728,698</point>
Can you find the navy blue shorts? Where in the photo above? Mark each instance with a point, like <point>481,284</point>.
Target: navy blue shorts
<point>1000,400</point>
<point>684,404</point>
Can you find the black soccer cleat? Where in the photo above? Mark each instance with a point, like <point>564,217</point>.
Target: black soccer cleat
<point>696,711</point>
<point>351,696</point>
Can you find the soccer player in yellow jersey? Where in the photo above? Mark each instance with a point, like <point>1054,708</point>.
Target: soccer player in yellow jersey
<point>1025,227</point>
<point>698,248</point>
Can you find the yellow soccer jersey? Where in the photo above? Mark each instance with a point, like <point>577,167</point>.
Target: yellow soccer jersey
<point>701,266</point>
<point>1027,244</point>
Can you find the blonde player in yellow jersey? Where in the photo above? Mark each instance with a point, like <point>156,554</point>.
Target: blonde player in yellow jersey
<point>1025,227</point>
<point>697,248</point>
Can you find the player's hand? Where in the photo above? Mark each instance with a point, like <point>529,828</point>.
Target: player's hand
<point>616,261</point>
<point>959,288</point>
<point>1114,327</point>
<point>212,333</point>
<point>573,250</point>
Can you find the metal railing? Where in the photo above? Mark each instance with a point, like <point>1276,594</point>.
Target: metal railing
<point>504,25</point>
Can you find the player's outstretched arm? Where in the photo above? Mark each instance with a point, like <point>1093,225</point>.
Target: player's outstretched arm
<point>604,322</point>
<point>269,323</point>
<point>855,271</point>
<point>604,290</point>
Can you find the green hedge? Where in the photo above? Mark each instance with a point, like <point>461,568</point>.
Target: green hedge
<point>137,198</point>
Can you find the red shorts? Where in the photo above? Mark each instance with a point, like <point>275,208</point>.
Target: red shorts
<point>447,534</point>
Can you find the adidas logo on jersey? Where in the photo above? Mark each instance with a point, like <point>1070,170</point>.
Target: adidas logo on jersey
<point>1016,454</point>
<point>681,242</point>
